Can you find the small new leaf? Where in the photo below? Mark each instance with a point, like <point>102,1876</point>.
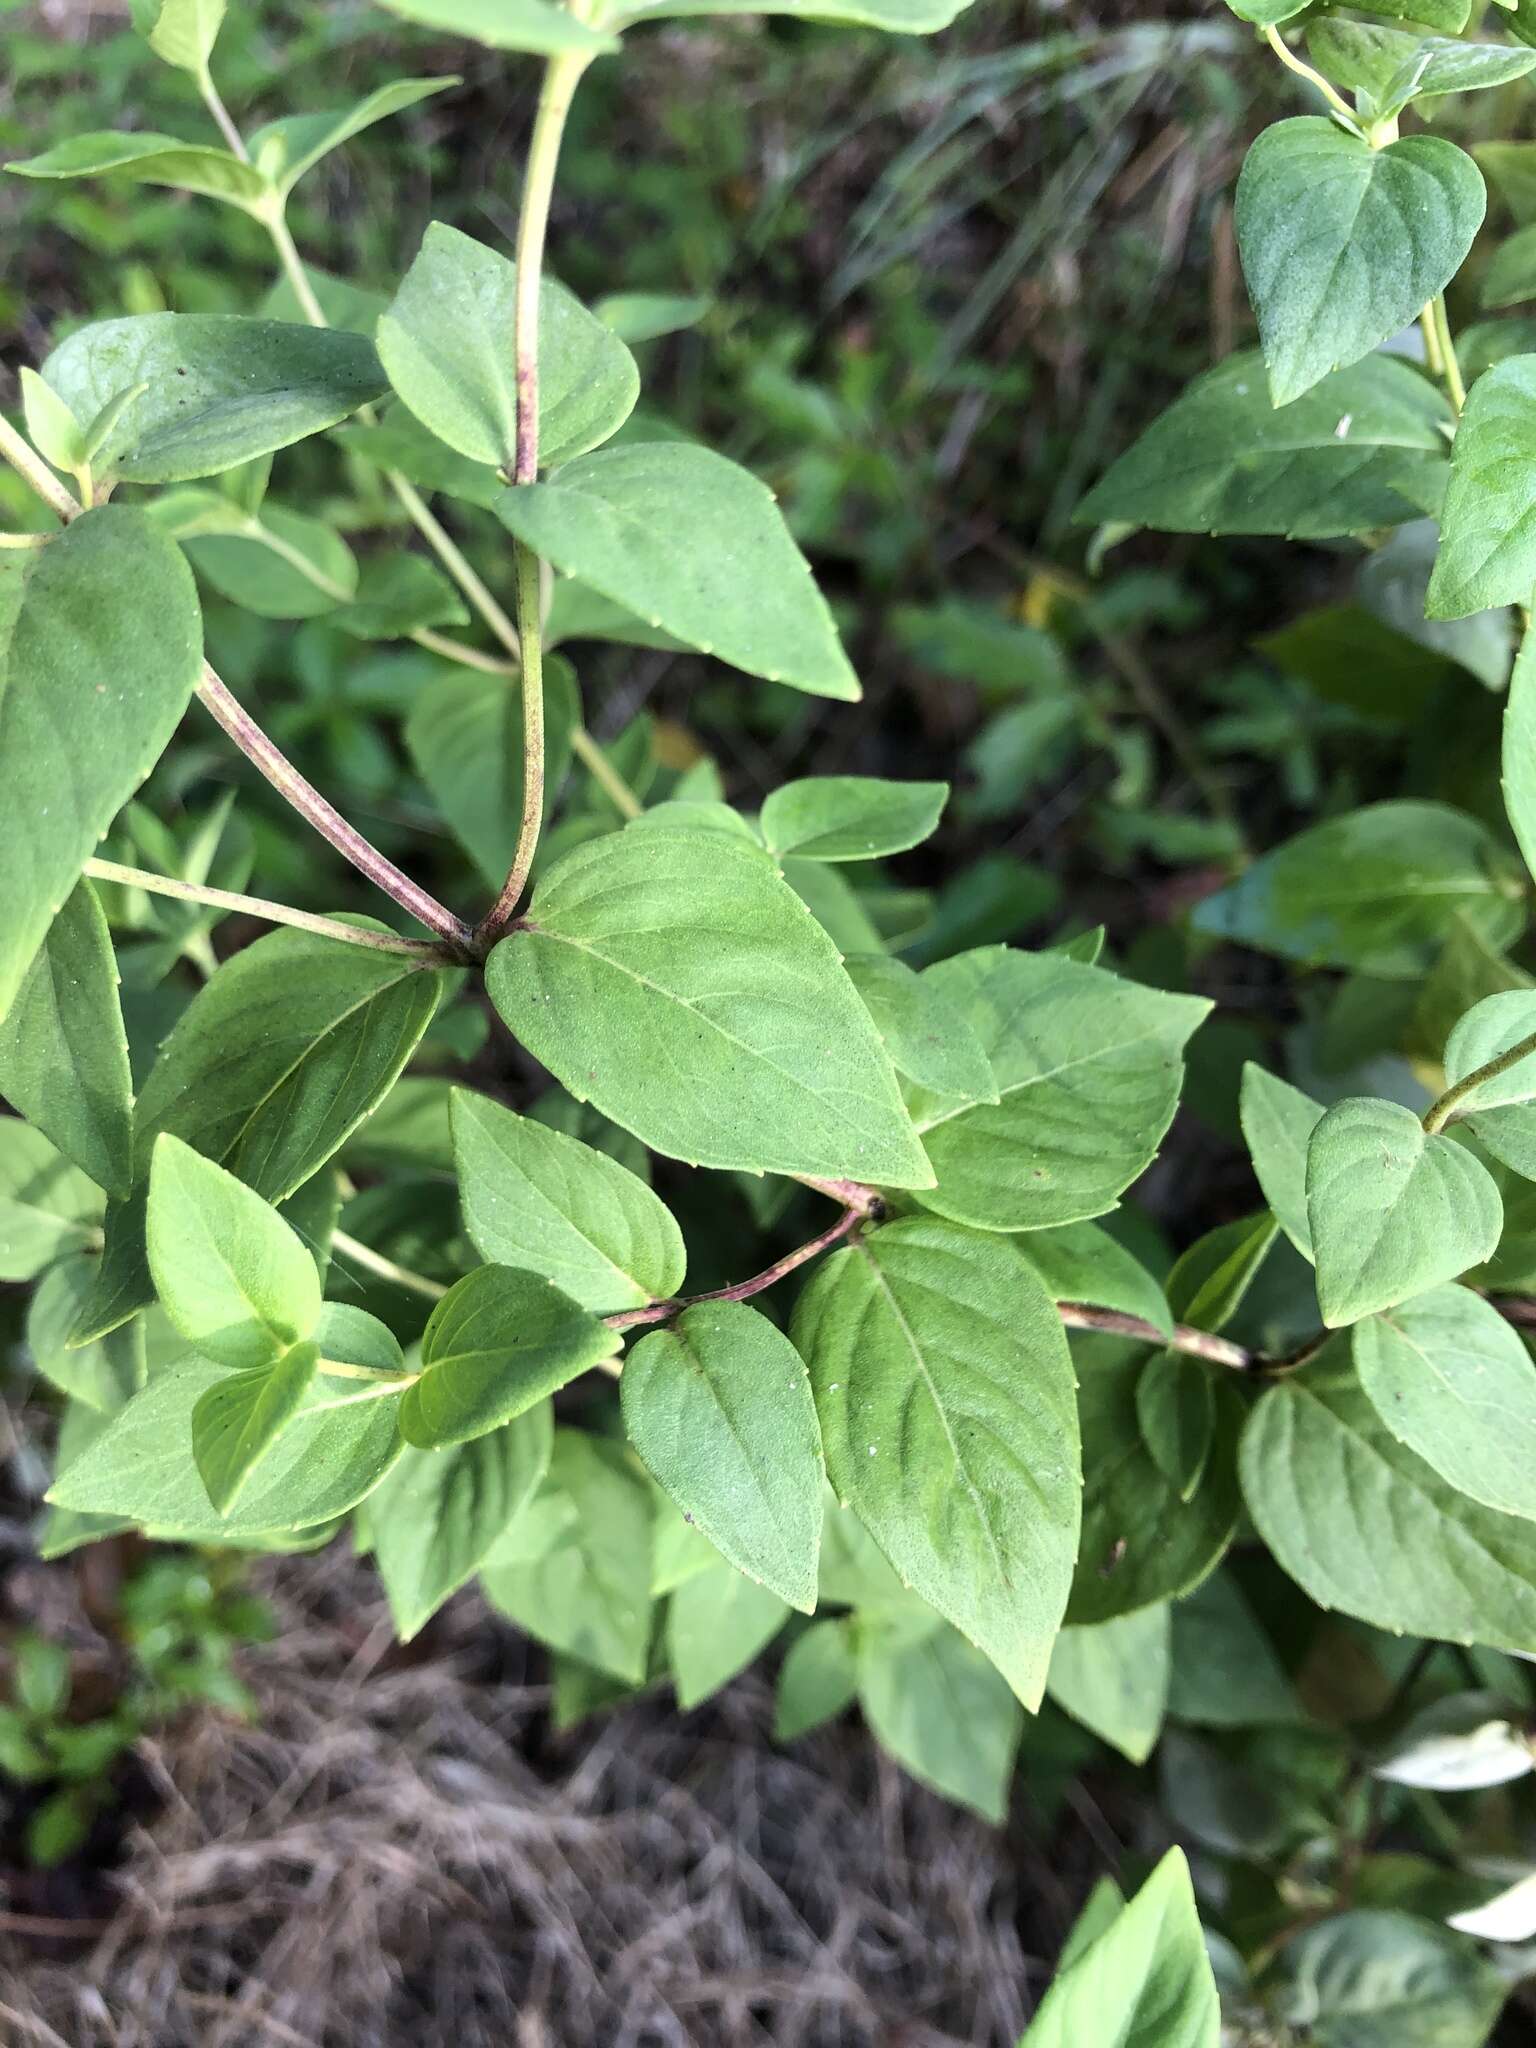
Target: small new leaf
<point>236,1422</point>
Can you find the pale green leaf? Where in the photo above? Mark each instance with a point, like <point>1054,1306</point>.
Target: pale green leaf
<point>398,595</point>
<point>927,1034</point>
<point>499,1342</point>
<point>100,646</point>
<point>942,1711</point>
<point>52,428</point>
<point>850,817</point>
<point>1488,528</point>
<point>103,1375</point>
<point>150,159</point>
<point>1500,1111</point>
<point>234,1279</point>
<point>1519,751</point>
<point>1378,891</point>
<point>695,545</point>
<point>589,1592</point>
<point>717,1622</point>
<point>1364,448</point>
<point>446,341</point>
<point>1278,1122</point>
<point>900,17</point>
<point>1114,1679</point>
<point>1380,1979</point>
<point>439,1514</point>
<point>818,1681</point>
<point>944,1389</point>
<point>720,1410</point>
<point>63,1052</point>
<point>218,388</point>
<point>284,150</point>
<point>1081,1263</point>
<point>758,1052</point>
<point>48,1208</point>
<point>1146,1981</point>
<point>236,1422</point>
<point>647,316</point>
<point>278,564</point>
<point>1452,1381</point>
<point>1393,1211</point>
<point>1343,244</point>
<point>541,1200</point>
<point>1088,1071</point>
<point>536,26</point>
<point>1365,1526</point>
<point>182,32</point>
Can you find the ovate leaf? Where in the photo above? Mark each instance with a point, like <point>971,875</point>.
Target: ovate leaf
<point>1452,1381</point>
<point>1365,1526</point>
<point>63,1051</point>
<point>1379,1979</point>
<point>1500,1111</point>
<point>537,26</point>
<point>693,544</point>
<point>1114,1679</point>
<point>103,1375</point>
<point>720,1410</point>
<point>439,1514</point>
<point>1362,449</point>
<point>926,1033</point>
<point>539,1199</point>
<point>945,1394</point>
<point>284,150</point>
<point>1088,1071</point>
<point>182,32</point>
<point>850,817</point>
<point>150,159</point>
<point>234,1279</point>
<point>758,1053</point>
<point>447,342</point>
<point>48,1208</point>
<point>717,1622</point>
<point>1145,1983</point>
<point>1278,1122</point>
<point>1343,244</point>
<point>1176,1414</point>
<point>941,1709</point>
<point>499,1342</point>
<point>1393,1211</point>
<point>217,388</point>
<point>1488,529</point>
<point>100,646</point>
<point>818,1680</point>
<point>236,1422</point>
<point>1079,1262</point>
<point>1378,891</point>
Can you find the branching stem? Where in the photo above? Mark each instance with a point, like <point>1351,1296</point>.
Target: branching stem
<point>1292,62</point>
<point>1445,1108</point>
<point>742,1290</point>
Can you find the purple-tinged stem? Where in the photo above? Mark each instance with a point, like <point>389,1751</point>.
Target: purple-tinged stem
<point>742,1290</point>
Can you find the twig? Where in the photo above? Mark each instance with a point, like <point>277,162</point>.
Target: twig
<point>259,906</point>
<point>742,1290</point>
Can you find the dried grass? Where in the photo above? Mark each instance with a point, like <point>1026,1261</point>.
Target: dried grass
<point>399,1850</point>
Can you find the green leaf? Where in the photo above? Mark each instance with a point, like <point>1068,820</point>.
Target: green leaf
<point>182,32</point>
<point>1267,13</point>
<point>234,1279</point>
<point>941,1710</point>
<point>1378,891</point>
<point>1278,1121</point>
<point>1510,278</point>
<point>103,1375</point>
<point>141,1465</point>
<point>850,817</point>
<point>647,316</point>
<point>280,565</point>
<point>47,1207</point>
<point>439,1514</point>
<point>1393,68</point>
<point>1141,1542</point>
<point>1343,244</point>
<point>465,737</point>
<point>1114,1679</point>
<point>1379,1979</point>
<point>1393,1211</point>
<point>1500,1111</point>
<point>720,1410</point>
<point>1452,1381</point>
<point>100,646</point>
<point>1079,1262</point>
<point>532,25</point>
<point>497,1343</point>
<point>237,1422</point>
<point>218,388</point>
<point>51,427</point>
<point>1519,751</point>
<point>149,159</point>
<point>1088,1072</point>
<point>63,1051</point>
<point>541,1200</point>
<point>944,1389</point>
<point>1222,460</point>
<point>1145,1983</point>
<point>717,1622</point>
<point>1488,532</point>
<point>926,1034</point>
<point>447,344</point>
<point>284,150</point>
<point>1363,1525</point>
<point>818,1680</point>
<point>759,1055</point>
<point>1449,16</point>
<point>1176,1414</point>
<point>668,530</point>
<point>901,17</point>
<point>267,1072</point>
<point>589,1594</point>
<point>1208,1285</point>
<point>400,441</point>
<point>398,595</point>
<point>1225,1670</point>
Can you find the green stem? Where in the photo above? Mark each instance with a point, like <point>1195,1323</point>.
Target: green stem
<point>531,632</point>
<point>258,906</point>
<point>276,222</point>
<point>1291,62</point>
<point>604,774</point>
<point>215,105</point>
<point>1450,369</point>
<point>1443,1111</point>
<point>33,471</point>
<point>386,1269</point>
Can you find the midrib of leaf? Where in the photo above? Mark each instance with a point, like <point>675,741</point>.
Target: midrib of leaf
<point>978,1502</point>
<point>696,1364</point>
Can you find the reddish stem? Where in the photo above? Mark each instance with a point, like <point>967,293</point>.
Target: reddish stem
<point>743,1290</point>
